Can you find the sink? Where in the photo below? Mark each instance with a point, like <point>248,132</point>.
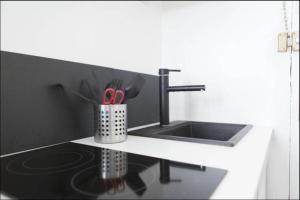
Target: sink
<point>202,132</point>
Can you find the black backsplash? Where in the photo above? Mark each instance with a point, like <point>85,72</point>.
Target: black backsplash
<point>35,113</point>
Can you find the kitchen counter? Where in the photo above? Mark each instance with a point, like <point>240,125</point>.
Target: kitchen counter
<point>246,162</point>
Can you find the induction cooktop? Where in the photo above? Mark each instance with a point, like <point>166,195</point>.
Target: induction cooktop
<point>76,171</point>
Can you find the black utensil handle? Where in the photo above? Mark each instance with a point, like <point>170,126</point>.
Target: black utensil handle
<point>135,182</point>
<point>77,94</point>
<point>96,98</point>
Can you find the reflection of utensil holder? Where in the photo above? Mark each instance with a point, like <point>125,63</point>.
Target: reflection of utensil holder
<point>113,164</point>
<point>110,123</point>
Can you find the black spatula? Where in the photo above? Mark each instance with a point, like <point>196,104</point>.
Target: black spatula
<point>134,87</point>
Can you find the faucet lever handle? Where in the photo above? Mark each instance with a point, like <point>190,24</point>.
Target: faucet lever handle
<point>165,72</point>
<point>174,70</point>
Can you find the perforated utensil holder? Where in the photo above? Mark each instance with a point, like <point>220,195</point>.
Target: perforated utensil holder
<point>111,123</point>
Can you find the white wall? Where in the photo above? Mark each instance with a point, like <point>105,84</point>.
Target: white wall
<point>124,35</point>
<point>294,182</point>
<point>232,48</point>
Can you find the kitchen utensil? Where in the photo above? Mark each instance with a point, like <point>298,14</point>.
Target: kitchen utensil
<point>134,87</point>
<point>112,186</point>
<point>112,96</point>
<point>119,97</point>
<point>97,81</point>
<point>77,94</point>
<point>95,97</point>
<point>135,182</point>
<point>113,92</point>
<point>115,84</point>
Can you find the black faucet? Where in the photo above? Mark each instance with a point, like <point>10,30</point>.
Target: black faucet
<point>164,90</point>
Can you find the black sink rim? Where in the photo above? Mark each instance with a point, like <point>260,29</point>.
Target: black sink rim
<point>176,124</point>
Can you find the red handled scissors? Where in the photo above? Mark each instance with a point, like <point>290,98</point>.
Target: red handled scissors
<point>112,96</point>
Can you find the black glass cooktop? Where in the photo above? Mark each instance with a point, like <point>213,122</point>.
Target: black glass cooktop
<point>75,171</point>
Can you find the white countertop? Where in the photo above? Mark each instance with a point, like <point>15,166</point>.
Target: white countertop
<point>244,162</point>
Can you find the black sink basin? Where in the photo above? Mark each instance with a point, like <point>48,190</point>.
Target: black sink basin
<point>201,132</point>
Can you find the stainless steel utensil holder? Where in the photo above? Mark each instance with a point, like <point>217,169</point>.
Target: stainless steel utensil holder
<point>111,123</point>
